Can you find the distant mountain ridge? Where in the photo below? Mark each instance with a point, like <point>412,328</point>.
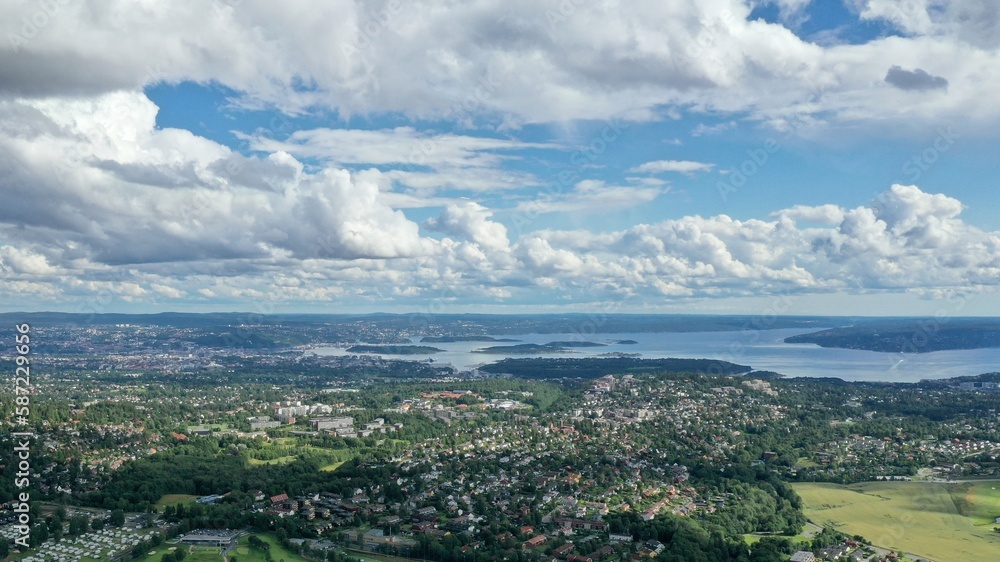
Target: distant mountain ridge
<point>455,325</point>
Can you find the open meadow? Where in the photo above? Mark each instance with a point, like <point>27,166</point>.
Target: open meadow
<point>175,499</point>
<point>944,522</point>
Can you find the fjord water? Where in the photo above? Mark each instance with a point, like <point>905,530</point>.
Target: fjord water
<point>762,350</point>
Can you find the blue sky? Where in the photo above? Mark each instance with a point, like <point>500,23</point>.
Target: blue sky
<point>537,156</point>
<point>801,171</point>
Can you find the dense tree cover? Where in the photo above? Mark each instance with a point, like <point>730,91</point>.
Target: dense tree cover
<point>756,498</point>
<point>199,468</point>
<point>594,367</point>
<point>210,466</point>
<point>388,394</point>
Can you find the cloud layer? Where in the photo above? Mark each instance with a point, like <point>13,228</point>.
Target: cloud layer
<point>506,62</point>
<point>103,202</point>
<point>101,205</point>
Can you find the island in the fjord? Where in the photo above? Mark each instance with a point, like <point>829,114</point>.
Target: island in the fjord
<point>394,349</point>
<point>455,339</point>
<point>910,335</point>
<point>527,348</point>
<point>594,367</point>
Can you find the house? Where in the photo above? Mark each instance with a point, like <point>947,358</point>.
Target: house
<point>582,524</point>
<point>654,545</point>
<point>602,553</point>
<point>422,527</point>
<point>535,542</point>
<point>279,499</point>
<point>459,524</point>
<point>834,552</point>
<point>426,513</point>
<point>803,556</point>
<point>563,550</point>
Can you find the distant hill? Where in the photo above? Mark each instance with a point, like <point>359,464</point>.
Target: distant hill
<point>455,325</point>
<point>911,335</point>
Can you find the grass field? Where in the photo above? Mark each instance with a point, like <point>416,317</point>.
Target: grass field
<point>371,557</point>
<point>159,551</point>
<point>980,502</point>
<point>804,462</point>
<point>948,523</point>
<point>212,426</point>
<point>277,552</point>
<point>175,499</point>
<point>204,554</point>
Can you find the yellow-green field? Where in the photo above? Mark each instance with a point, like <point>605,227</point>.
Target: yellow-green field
<point>804,462</point>
<point>277,551</point>
<point>175,499</point>
<point>945,522</point>
<point>979,501</point>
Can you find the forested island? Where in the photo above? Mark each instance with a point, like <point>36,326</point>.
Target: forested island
<point>541,348</point>
<point>395,349</point>
<point>454,339</point>
<point>594,367</point>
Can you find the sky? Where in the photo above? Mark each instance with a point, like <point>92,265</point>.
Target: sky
<point>834,157</point>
